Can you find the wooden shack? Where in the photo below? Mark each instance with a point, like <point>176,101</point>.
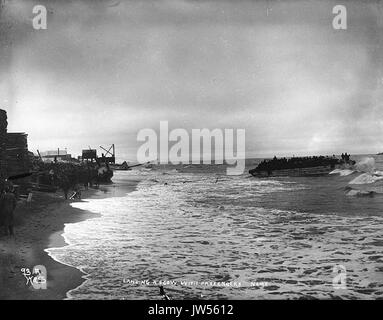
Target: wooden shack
<point>18,160</point>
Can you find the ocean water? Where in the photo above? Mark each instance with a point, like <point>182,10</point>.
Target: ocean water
<point>206,235</point>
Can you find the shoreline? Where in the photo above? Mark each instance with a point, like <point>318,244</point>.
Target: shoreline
<point>39,226</point>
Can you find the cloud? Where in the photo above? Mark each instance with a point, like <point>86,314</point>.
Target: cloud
<point>102,71</point>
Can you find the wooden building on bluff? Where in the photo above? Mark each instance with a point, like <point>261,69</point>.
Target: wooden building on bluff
<point>14,156</point>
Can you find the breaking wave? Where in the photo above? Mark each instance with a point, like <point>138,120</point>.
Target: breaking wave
<point>366,178</point>
<point>366,165</point>
<point>368,183</point>
<point>342,172</point>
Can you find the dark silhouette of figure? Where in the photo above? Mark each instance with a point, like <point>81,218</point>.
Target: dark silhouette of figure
<point>7,206</point>
<point>65,185</point>
<point>346,157</point>
<point>163,293</point>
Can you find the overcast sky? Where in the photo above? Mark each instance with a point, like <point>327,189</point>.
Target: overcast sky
<point>105,69</point>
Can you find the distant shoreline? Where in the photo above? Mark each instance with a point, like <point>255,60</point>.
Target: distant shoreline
<point>40,226</point>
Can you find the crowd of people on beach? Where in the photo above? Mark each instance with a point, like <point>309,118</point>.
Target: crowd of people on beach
<point>69,177</point>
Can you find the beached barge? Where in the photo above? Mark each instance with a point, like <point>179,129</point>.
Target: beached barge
<point>301,166</point>
<point>296,172</point>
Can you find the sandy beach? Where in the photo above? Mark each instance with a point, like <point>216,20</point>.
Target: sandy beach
<point>39,225</point>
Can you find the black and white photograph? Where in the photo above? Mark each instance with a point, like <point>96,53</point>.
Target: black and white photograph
<point>177,150</point>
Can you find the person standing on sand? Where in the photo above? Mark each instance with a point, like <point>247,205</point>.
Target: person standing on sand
<point>7,206</point>
<point>64,185</point>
